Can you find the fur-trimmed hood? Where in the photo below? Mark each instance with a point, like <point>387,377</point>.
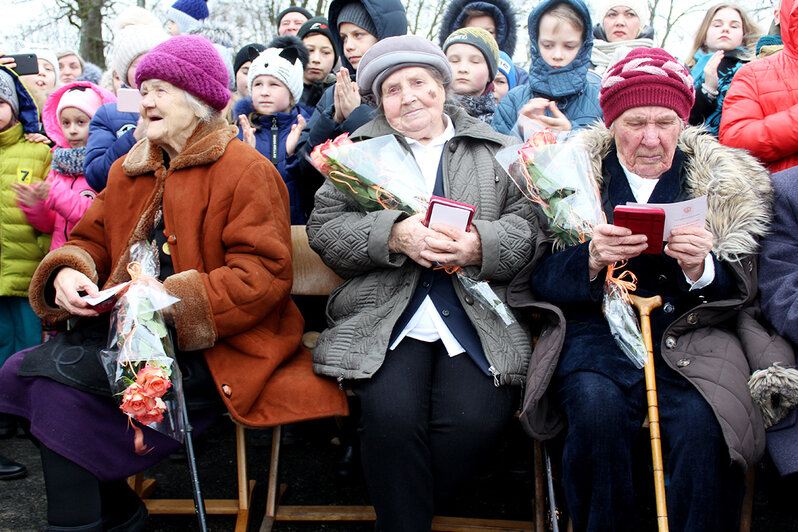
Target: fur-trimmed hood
<point>738,188</point>
<point>52,124</point>
<point>503,15</point>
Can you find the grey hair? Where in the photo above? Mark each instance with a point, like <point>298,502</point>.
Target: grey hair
<point>201,109</point>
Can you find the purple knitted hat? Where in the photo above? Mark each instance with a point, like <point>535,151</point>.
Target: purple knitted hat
<point>191,63</point>
<point>646,76</point>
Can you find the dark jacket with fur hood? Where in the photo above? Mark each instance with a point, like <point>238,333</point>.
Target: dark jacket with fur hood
<point>715,344</point>
<point>227,209</point>
<point>501,11</point>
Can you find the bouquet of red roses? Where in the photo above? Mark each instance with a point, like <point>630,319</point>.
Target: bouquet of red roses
<point>556,174</point>
<point>140,361</point>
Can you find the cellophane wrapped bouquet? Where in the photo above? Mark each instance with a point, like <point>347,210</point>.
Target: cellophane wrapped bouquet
<point>556,174</point>
<point>140,360</point>
<point>379,174</point>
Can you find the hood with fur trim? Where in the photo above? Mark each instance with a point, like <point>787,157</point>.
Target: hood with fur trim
<point>503,14</point>
<point>739,190</point>
<point>52,125</point>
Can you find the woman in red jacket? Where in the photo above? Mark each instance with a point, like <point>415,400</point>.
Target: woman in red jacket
<point>761,106</point>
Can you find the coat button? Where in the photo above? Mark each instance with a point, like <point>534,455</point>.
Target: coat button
<point>227,390</point>
<point>668,307</point>
<point>453,146</point>
<point>469,300</point>
<point>750,265</point>
<point>445,313</point>
<point>692,318</point>
<point>683,362</point>
<point>662,278</point>
<point>670,342</point>
<point>171,240</point>
<point>425,284</point>
<point>496,178</point>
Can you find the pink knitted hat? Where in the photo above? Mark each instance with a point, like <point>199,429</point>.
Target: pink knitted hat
<point>646,76</point>
<point>80,97</point>
<point>191,63</point>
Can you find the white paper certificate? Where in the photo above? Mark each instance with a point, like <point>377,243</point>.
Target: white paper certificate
<point>689,212</point>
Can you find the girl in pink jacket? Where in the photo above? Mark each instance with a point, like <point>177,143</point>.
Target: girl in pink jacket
<point>57,204</point>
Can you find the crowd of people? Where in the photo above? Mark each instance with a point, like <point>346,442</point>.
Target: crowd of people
<point>211,164</point>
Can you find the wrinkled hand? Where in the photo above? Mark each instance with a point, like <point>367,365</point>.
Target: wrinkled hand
<point>449,246</point>
<point>248,132</point>
<point>27,195</point>
<point>346,95</point>
<point>690,245</point>
<point>68,282</point>
<point>610,244</point>
<point>37,137</point>
<point>557,120</point>
<point>293,136</point>
<point>410,238</point>
<point>711,70</point>
<point>141,131</point>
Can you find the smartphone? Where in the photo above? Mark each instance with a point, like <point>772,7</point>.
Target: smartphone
<point>127,100</point>
<point>449,212</point>
<point>649,221</point>
<point>26,64</point>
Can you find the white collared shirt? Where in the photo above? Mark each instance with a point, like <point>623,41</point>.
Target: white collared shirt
<point>426,324</point>
<point>642,188</point>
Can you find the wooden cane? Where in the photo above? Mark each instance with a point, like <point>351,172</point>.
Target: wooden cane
<point>644,306</point>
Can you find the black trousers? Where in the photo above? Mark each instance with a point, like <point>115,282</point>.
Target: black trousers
<point>428,421</point>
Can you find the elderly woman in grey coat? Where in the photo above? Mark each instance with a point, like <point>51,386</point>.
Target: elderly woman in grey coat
<point>437,373</point>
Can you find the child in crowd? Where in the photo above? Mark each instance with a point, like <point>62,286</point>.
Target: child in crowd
<point>357,25</point>
<point>241,64</point>
<point>42,85</point>
<point>318,39</point>
<point>112,132</point>
<point>22,247</point>
<point>506,79</point>
<point>185,15</point>
<point>474,56</point>
<point>724,42</point>
<point>56,205</point>
<point>276,118</point>
<point>559,94</point>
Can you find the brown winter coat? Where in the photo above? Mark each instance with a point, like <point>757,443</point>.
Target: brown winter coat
<point>716,345</point>
<point>226,211</point>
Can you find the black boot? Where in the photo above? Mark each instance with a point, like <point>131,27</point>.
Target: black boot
<point>122,509</point>
<point>8,425</point>
<point>97,526</point>
<point>9,469</point>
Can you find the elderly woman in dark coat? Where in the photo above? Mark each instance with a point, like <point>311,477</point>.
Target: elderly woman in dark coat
<point>218,212</point>
<point>706,340</point>
<point>437,373</point>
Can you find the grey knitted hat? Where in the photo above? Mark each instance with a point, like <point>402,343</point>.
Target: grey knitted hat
<point>8,92</point>
<point>356,14</point>
<point>394,53</point>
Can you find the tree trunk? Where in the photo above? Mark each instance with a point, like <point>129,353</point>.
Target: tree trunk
<point>91,31</point>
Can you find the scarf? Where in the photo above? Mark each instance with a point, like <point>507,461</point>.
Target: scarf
<point>481,107</point>
<point>68,161</point>
<point>725,76</point>
<point>605,54</point>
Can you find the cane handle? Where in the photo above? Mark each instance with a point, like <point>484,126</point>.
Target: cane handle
<point>645,305</point>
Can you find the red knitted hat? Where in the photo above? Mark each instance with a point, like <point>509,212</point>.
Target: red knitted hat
<point>191,63</point>
<point>646,76</point>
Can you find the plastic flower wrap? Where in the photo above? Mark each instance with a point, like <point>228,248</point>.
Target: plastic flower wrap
<point>378,173</point>
<point>140,361</point>
<point>381,175</point>
<point>558,177</point>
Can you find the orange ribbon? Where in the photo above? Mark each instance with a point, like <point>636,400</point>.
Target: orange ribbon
<point>138,439</point>
<point>624,286</point>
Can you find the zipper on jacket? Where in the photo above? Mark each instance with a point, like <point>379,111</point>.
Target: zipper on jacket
<point>275,131</point>
<point>340,380</point>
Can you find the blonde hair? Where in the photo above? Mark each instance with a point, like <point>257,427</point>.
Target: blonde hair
<point>566,13</point>
<point>751,32</point>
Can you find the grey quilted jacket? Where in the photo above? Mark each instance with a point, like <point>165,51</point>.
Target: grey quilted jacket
<point>362,311</point>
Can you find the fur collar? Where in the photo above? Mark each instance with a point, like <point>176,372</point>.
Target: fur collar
<point>739,190</point>
<point>205,145</point>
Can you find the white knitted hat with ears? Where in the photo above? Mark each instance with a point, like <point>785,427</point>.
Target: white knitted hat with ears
<point>283,64</point>
<point>136,31</point>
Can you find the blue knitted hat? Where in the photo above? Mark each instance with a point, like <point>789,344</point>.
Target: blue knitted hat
<point>187,14</point>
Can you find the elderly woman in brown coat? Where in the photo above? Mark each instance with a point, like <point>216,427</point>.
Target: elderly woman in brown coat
<point>218,212</point>
<point>706,337</point>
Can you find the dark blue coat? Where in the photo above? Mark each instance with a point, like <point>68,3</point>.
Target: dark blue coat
<point>390,20</point>
<point>110,137</point>
<point>576,93</point>
<point>301,187</point>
